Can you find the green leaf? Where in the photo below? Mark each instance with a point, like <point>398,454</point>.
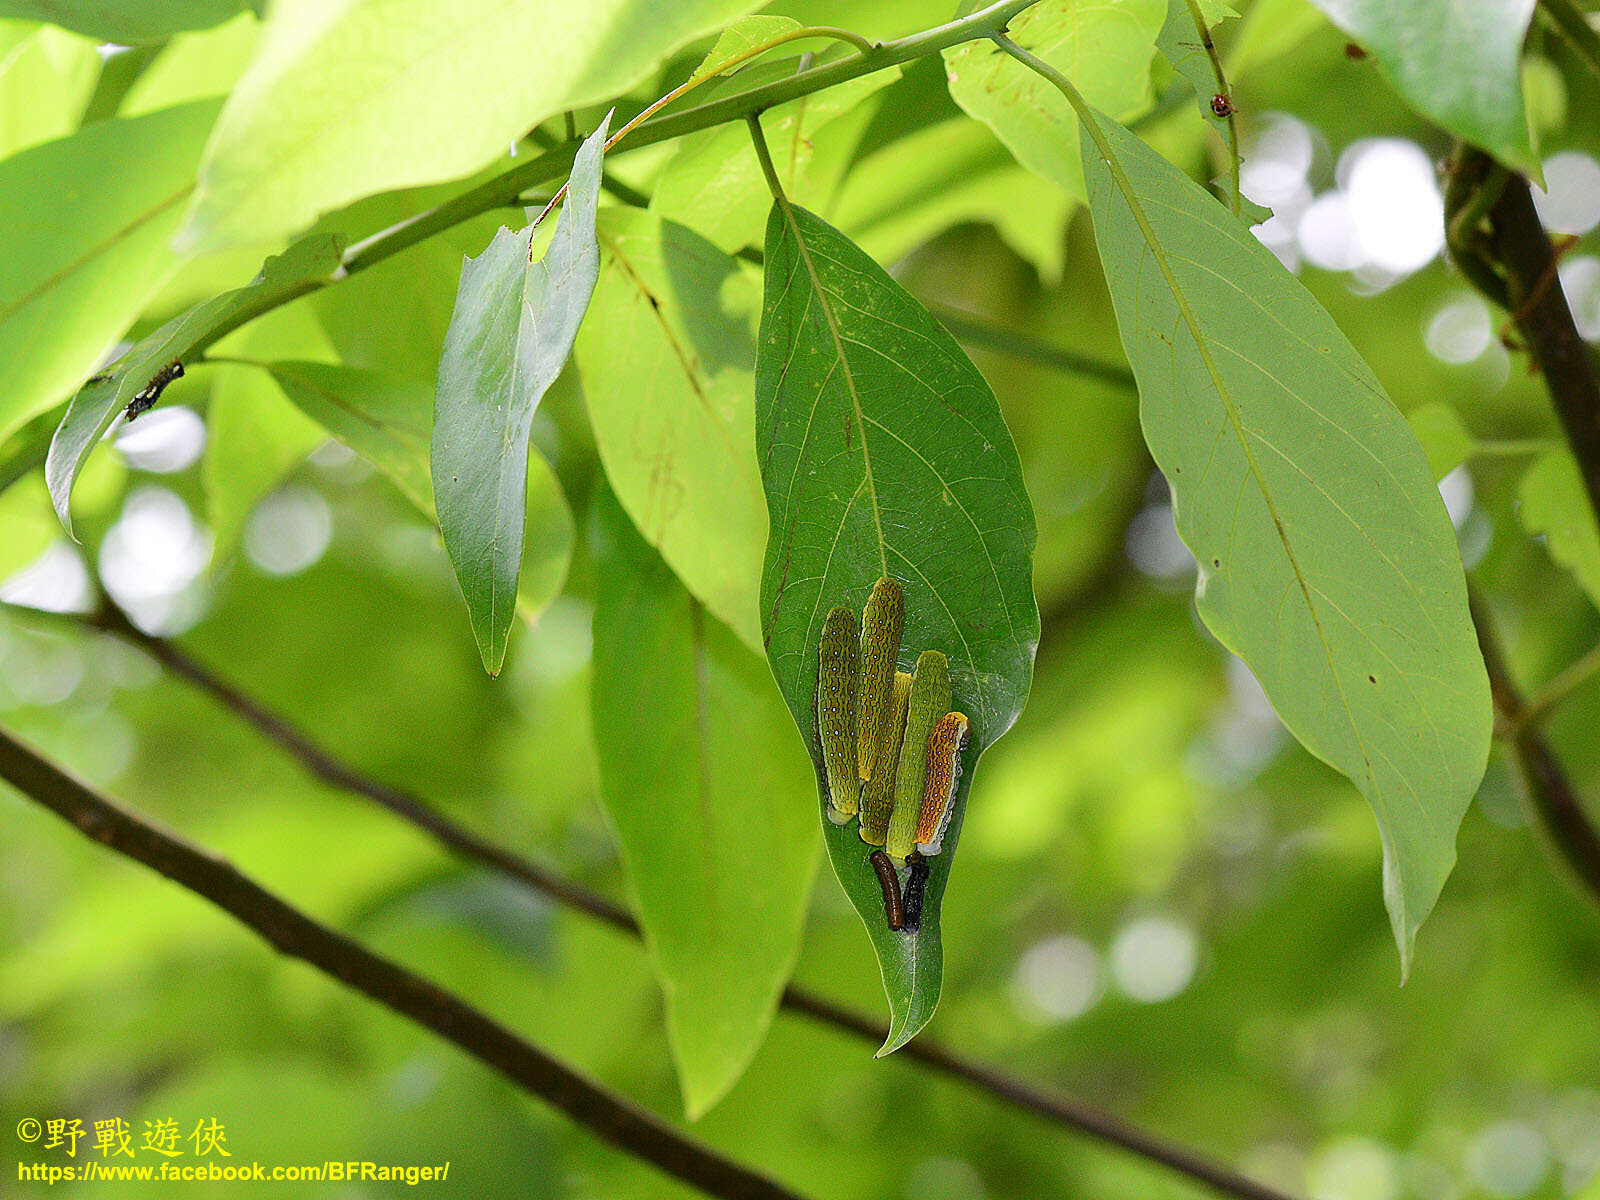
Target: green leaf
<point>81,261</point>
<point>1457,64</point>
<point>1180,44</point>
<point>125,22</point>
<point>741,37</point>
<point>709,796</point>
<point>1104,48</point>
<point>883,452</point>
<point>346,100</point>
<point>666,366</point>
<point>385,420</point>
<point>1443,437</point>
<point>195,65</point>
<point>1555,506</point>
<point>103,398</point>
<point>46,76</point>
<point>1327,562</point>
<point>254,435</point>
<point>510,335</point>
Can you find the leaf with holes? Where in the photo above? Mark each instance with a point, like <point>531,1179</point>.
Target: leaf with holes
<point>883,452</point>
<point>1327,562</point>
<point>514,324</point>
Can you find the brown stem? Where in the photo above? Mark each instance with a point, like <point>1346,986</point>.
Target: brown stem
<point>324,766</point>
<point>607,1115</point>
<point>1521,246</point>
<point>1073,1114</point>
<point>1555,802</point>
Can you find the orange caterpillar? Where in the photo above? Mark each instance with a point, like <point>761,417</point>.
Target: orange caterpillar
<point>949,738</point>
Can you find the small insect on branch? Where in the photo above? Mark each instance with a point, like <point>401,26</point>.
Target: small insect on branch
<point>145,398</point>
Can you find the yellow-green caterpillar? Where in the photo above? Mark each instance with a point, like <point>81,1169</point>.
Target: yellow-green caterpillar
<point>881,625</point>
<point>837,667</point>
<point>929,700</point>
<point>949,738</point>
<point>877,794</point>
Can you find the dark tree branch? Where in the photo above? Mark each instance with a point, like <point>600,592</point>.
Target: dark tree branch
<point>1550,793</point>
<point>1541,313</point>
<point>607,1115</point>
<point>1498,241</point>
<point>1073,1114</point>
<point>330,770</point>
<point>1495,236</point>
<point>1095,1122</point>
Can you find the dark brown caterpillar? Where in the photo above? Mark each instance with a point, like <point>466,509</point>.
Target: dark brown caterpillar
<point>145,398</point>
<point>916,885</point>
<point>890,883</point>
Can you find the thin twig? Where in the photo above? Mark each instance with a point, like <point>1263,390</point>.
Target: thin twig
<point>1072,1114</point>
<point>976,332</point>
<point>324,766</point>
<point>506,187</point>
<point>1555,803</point>
<point>604,1113</point>
<point>1226,95</point>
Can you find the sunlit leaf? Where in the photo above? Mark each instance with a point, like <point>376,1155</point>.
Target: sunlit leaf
<point>108,395</point>
<point>665,359</point>
<point>1104,48</point>
<point>1326,559</point>
<point>46,76</point>
<point>126,22</point>
<point>1457,64</point>
<point>711,801</point>
<point>883,453</point>
<point>82,261</point>
<point>347,99</point>
<point>510,335</point>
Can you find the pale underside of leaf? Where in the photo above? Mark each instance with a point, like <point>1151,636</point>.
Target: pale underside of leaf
<point>512,331</point>
<point>1308,505</point>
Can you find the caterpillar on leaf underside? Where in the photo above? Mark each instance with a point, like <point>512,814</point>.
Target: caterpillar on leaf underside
<point>891,748</point>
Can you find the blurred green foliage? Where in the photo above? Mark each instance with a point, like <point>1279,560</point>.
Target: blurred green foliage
<point>1162,904</point>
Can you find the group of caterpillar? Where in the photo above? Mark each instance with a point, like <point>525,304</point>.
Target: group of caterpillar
<point>891,747</point>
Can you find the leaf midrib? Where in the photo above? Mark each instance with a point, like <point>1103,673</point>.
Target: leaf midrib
<point>849,375</point>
